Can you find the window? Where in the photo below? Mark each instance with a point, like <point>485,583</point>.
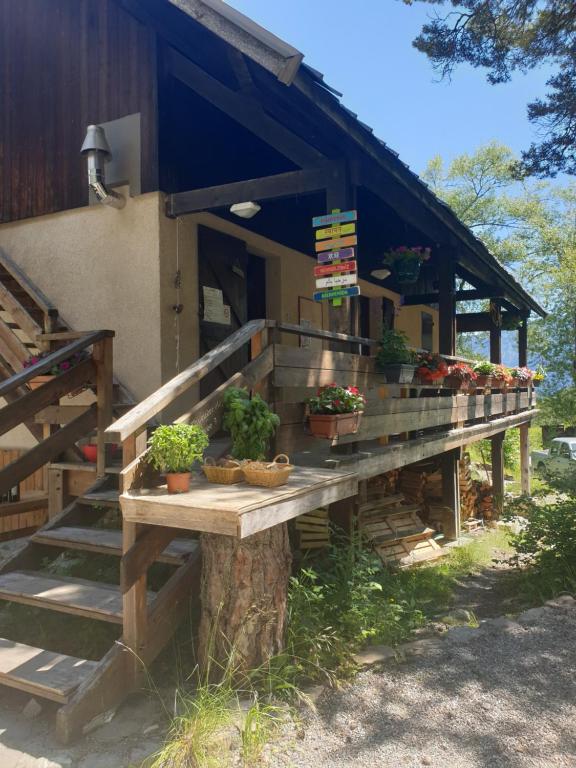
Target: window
<point>564,450</point>
<point>427,325</point>
<point>554,448</point>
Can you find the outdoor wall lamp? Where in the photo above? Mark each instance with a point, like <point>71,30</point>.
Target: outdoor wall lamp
<point>245,210</point>
<point>98,153</point>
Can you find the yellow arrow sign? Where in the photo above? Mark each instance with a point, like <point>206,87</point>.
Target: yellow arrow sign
<point>337,231</point>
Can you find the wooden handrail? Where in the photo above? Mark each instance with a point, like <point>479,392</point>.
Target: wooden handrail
<point>142,413</point>
<point>316,333</point>
<point>44,304</point>
<point>53,359</point>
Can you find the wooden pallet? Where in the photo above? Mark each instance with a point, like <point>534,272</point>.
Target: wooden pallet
<point>313,530</point>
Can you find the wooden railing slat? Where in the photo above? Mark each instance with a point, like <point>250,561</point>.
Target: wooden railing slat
<point>23,409</point>
<point>47,450</point>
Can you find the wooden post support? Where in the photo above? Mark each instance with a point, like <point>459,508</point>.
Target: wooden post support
<point>135,607</point>
<point>104,383</point>
<point>523,343</point>
<point>451,489</point>
<point>447,307</point>
<point>525,459</point>
<point>55,491</point>
<point>497,442</point>
<point>244,592</point>
<point>495,334</point>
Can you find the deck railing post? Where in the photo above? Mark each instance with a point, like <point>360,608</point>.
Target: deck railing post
<point>103,358</point>
<point>525,459</point>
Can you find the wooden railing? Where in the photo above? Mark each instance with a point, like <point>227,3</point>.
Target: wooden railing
<point>94,371</point>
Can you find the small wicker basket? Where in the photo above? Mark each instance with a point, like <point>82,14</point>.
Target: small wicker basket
<point>268,474</point>
<point>224,471</point>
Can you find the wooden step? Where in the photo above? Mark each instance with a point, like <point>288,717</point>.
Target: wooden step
<point>63,593</point>
<point>108,542</point>
<point>108,498</point>
<point>41,673</point>
<point>84,466</point>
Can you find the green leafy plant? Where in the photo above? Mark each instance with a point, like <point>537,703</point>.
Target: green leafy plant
<point>394,350</point>
<point>485,368</point>
<point>334,399</point>
<point>251,424</point>
<point>406,253</point>
<point>175,447</point>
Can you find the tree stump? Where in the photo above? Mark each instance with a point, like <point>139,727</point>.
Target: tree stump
<point>243,597</point>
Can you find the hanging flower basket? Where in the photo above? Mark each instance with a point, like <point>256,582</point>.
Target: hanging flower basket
<point>405,262</point>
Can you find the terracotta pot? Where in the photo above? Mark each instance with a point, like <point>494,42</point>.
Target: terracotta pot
<point>454,382</point>
<point>38,381</point>
<point>178,482</point>
<point>329,426</point>
<point>439,382</point>
<point>483,381</point>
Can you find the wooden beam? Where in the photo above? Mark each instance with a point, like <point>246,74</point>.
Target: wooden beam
<point>451,487</point>
<point>145,551</point>
<point>18,313</point>
<point>433,298</point>
<point>23,409</point>
<point>12,349</point>
<point>103,361</point>
<point>266,188</point>
<point>243,110</point>
<point>25,505</point>
<point>47,450</point>
<point>478,321</point>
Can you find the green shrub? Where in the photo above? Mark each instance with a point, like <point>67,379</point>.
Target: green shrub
<point>175,447</point>
<point>547,544</point>
<point>394,350</point>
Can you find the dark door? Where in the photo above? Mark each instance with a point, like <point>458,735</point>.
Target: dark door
<point>222,272</point>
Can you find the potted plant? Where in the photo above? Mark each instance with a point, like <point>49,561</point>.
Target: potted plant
<point>335,411</point>
<point>539,375</point>
<point>251,424</point>
<point>503,377</point>
<point>431,368</point>
<point>395,359</point>
<point>173,448</point>
<point>405,262</point>
<point>485,371</point>
<point>55,370</point>
<point>522,375</point>
<point>460,376</point>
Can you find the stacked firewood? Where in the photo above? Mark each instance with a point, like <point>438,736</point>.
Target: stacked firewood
<point>468,492</point>
<point>384,484</point>
<point>485,502</point>
<point>411,483</point>
<point>433,486</point>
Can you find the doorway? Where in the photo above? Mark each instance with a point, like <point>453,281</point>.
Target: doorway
<point>232,286</point>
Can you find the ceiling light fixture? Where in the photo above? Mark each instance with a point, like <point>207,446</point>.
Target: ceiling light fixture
<point>380,274</point>
<point>245,210</point>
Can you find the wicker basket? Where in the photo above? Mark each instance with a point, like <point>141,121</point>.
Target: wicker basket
<point>268,474</point>
<point>224,471</point>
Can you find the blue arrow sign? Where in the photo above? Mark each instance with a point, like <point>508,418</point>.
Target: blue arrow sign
<point>339,293</point>
<point>334,218</point>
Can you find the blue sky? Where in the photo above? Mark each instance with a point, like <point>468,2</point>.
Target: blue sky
<point>364,50</point>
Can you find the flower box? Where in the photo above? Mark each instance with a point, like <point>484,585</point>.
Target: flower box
<point>38,381</point>
<point>483,382</point>
<point>330,426</point>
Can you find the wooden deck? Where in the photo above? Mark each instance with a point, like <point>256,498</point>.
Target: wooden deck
<point>238,510</point>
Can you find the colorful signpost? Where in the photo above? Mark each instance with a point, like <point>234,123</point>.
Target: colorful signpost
<point>337,270</point>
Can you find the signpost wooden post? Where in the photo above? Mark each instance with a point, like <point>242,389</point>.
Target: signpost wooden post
<point>337,270</point>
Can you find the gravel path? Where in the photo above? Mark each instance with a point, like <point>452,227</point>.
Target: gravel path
<point>500,696</point>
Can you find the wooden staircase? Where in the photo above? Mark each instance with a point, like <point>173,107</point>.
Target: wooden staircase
<point>91,525</point>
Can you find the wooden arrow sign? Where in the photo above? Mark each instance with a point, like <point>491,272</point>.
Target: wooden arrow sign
<point>341,255</point>
<point>341,242</point>
<point>334,218</point>
<point>336,280</point>
<point>331,269</point>
<point>339,230</point>
<point>337,293</point>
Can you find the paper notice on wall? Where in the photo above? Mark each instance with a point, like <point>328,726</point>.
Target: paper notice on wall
<point>215,311</point>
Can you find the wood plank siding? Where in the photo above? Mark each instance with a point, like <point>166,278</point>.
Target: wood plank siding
<point>63,65</point>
